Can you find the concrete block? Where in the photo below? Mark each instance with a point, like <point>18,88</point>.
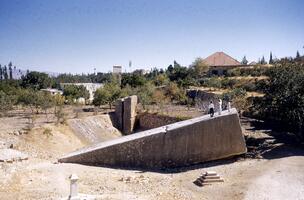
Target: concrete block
<point>183,143</point>
<point>119,114</point>
<point>129,114</point>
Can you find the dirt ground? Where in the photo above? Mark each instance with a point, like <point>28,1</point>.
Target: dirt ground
<point>276,173</point>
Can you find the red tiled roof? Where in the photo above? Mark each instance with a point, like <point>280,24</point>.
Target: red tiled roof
<point>221,59</point>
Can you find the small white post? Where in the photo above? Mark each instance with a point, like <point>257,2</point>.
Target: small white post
<point>229,106</point>
<point>74,187</point>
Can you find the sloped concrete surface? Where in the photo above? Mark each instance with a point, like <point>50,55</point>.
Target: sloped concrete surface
<point>94,129</point>
<point>183,143</point>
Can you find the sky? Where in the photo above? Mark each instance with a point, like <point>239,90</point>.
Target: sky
<point>76,36</point>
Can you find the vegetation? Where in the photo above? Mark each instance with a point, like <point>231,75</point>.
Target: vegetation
<point>281,83</point>
<point>284,97</point>
<point>72,92</point>
<point>108,94</point>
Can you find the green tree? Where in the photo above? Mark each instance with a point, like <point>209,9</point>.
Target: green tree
<point>108,94</point>
<point>36,80</point>
<point>1,73</point>
<point>263,62</point>
<point>298,55</point>
<point>270,58</point>
<point>5,75</point>
<point>200,68</point>
<point>10,70</point>
<point>145,94</point>
<point>6,103</point>
<point>161,79</point>
<point>72,92</point>
<point>284,97</point>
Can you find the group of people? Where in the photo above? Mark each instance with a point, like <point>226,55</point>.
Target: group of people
<point>212,108</point>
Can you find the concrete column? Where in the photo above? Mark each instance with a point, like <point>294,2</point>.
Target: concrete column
<point>119,110</point>
<point>129,114</point>
<point>74,188</point>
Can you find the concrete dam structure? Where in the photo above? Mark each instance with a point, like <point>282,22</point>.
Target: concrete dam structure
<point>179,144</point>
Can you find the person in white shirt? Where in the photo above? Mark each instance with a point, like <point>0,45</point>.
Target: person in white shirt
<point>211,109</point>
<point>229,106</point>
<point>220,107</point>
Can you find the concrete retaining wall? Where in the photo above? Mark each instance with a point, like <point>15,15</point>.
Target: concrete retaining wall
<point>183,143</point>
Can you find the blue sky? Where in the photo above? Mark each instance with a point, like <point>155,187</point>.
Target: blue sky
<point>77,35</point>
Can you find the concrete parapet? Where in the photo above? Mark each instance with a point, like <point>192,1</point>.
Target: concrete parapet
<point>183,143</point>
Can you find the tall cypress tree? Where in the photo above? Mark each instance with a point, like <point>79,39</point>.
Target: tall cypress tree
<point>10,69</point>
<point>298,55</point>
<point>263,62</point>
<point>5,75</point>
<point>244,60</point>
<point>1,73</point>
<point>270,58</point>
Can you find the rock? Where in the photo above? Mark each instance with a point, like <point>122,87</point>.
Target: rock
<point>11,155</point>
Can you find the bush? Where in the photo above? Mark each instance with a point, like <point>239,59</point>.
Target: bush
<point>47,132</point>
<point>284,97</point>
<point>6,103</point>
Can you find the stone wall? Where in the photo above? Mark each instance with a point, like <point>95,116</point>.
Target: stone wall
<point>183,143</point>
<point>148,121</point>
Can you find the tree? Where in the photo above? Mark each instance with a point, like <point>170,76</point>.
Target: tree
<point>107,95</point>
<point>270,58</point>
<point>5,75</point>
<point>72,92</point>
<point>10,70</point>
<point>244,61</point>
<point>159,98</point>
<point>161,79</point>
<point>45,102</point>
<point>1,73</point>
<point>145,94</point>
<point>6,103</point>
<point>200,67</point>
<point>298,55</point>
<point>284,97</point>
<point>133,79</point>
<point>263,62</point>
<point>36,80</point>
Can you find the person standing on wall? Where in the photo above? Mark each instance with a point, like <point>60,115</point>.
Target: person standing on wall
<point>211,109</point>
<point>220,107</point>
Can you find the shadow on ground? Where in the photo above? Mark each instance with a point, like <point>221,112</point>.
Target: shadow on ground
<point>275,142</point>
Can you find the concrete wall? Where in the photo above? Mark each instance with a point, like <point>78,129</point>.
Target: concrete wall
<point>183,143</point>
